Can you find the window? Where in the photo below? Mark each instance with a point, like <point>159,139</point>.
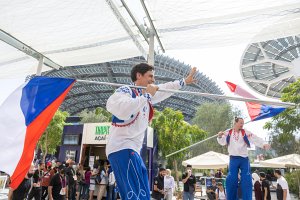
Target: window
<point>71,139</point>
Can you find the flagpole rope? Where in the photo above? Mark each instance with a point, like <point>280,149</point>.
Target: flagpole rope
<point>217,96</point>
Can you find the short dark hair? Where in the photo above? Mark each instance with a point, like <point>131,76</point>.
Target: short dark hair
<point>262,174</point>
<point>277,171</point>
<point>141,68</point>
<point>189,166</point>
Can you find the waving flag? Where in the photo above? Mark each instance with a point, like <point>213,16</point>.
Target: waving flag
<point>24,116</point>
<point>256,111</point>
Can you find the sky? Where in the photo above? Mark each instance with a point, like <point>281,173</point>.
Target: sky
<point>219,64</point>
<point>222,64</point>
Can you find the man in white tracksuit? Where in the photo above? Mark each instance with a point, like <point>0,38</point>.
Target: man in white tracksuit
<point>132,110</point>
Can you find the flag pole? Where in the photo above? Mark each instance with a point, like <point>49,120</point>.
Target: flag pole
<point>185,148</point>
<point>217,96</point>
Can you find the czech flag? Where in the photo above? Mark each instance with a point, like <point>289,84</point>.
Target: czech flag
<point>24,116</point>
<point>256,111</point>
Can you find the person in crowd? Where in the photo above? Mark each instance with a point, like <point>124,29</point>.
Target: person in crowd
<point>111,186</point>
<point>265,187</point>
<point>158,192</point>
<point>132,111</point>
<point>237,140</point>
<point>93,182</point>
<point>211,190</point>
<point>36,190</point>
<point>189,184</point>
<point>219,174</point>
<point>72,178</point>
<point>169,185</point>
<point>220,192</point>
<point>80,181</point>
<point>23,189</point>
<point>282,188</point>
<point>103,183</point>
<point>58,187</point>
<point>55,168</point>
<point>257,186</point>
<point>46,180</point>
<point>87,178</point>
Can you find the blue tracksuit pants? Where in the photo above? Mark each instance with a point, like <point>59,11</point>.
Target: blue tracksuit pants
<point>131,175</point>
<point>239,163</point>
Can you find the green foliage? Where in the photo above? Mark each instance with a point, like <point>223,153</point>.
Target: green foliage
<point>95,116</point>
<point>213,117</point>
<point>293,179</point>
<point>53,134</point>
<point>174,133</point>
<point>284,126</point>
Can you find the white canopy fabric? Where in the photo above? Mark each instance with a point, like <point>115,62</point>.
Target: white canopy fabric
<point>84,32</point>
<point>292,160</point>
<point>208,160</point>
<point>68,32</point>
<point>211,23</point>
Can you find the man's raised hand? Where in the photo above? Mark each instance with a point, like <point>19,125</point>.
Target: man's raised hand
<point>190,78</point>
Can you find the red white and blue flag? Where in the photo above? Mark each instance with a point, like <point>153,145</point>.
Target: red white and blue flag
<point>256,111</point>
<point>24,116</point>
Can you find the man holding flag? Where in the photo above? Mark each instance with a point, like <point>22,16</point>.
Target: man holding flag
<point>132,110</point>
<point>238,140</point>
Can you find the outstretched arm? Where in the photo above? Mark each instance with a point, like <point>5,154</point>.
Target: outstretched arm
<point>175,85</point>
<point>257,141</point>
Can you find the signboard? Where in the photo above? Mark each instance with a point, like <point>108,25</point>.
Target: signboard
<point>95,133</point>
<point>91,161</point>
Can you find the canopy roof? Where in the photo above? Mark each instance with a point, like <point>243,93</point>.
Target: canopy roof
<point>90,96</point>
<point>208,160</point>
<point>292,160</point>
<point>269,66</point>
<point>68,33</point>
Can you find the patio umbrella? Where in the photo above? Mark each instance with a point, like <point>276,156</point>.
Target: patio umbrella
<point>208,160</point>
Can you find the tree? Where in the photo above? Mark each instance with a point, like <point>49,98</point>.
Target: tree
<point>95,116</point>
<point>285,143</point>
<point>174,134</point>
<point>212,118</point>
<point>286,125</point>
<point>51,138</point>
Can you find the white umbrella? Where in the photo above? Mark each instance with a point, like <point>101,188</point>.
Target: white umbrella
<point>292,160</point>
<point>208,160</point>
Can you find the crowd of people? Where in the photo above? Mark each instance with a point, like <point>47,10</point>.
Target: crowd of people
<point>66,181</point>
<point>262,186</point>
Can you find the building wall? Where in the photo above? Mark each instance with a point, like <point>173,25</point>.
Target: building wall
<point>71,130</point>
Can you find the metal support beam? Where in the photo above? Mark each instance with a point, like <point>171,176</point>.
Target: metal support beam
<point>40,66</point>
<point>14,42</point>
<point>126,27</point>
<point>151,49</point>
<point>152,25</point>
<point>135,21</point>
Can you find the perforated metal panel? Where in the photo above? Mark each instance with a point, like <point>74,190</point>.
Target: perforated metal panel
<point>268,67</point>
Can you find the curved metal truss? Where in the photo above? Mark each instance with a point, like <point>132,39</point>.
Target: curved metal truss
<point>268,67</point>
<point>89,96</point>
